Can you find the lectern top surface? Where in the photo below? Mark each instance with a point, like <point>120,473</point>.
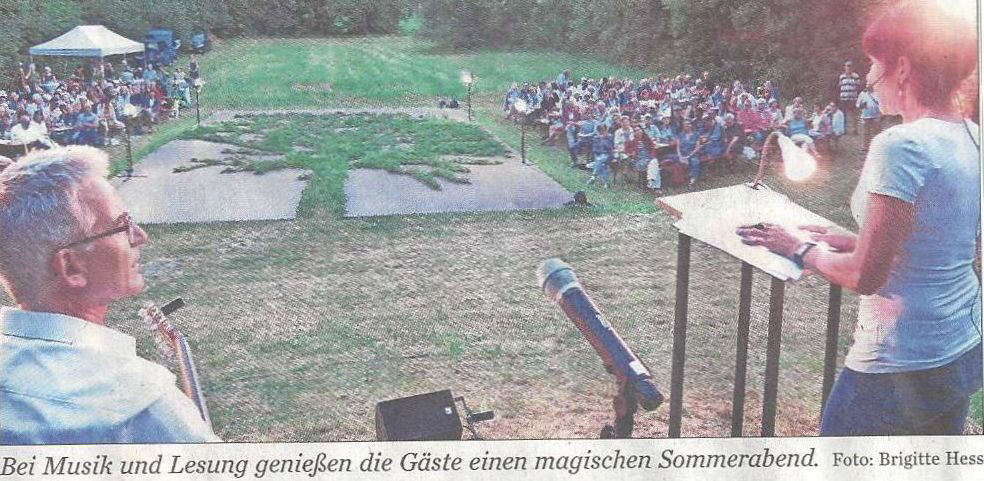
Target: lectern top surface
<point>713,216</point>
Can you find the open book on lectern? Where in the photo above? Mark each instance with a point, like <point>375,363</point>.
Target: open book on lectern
<point>713,216</point>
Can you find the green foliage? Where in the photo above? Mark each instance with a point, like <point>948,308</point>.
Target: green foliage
<point>295,18</point>
<point>799,47</point>
<point>411,24</point>
<point>21,29</point>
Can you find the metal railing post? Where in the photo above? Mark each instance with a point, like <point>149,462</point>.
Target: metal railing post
<point>679,334</point>
<point>770,395</point>
<point>741,350</point>
<point>830,350</point>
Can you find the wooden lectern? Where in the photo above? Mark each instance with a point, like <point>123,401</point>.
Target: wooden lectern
<point>712,217</point>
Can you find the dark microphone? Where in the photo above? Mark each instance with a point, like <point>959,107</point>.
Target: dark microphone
<point>172,306</point>
<point>560,285</point>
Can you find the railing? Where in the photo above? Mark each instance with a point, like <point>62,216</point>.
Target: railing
<point>773,344</point>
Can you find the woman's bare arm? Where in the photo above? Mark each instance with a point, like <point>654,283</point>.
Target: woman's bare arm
<point>888,222</point>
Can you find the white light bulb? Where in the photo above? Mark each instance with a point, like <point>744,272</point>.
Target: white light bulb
<point>520,105</point>
<point>798,165</point>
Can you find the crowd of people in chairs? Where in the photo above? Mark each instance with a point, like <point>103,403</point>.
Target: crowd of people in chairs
<point>92,105</point>
<point>667,130</point>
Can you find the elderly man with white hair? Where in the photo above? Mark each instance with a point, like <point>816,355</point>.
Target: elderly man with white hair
<point>68,249</point>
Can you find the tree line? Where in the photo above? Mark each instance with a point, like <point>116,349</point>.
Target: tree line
<point>798,44</point>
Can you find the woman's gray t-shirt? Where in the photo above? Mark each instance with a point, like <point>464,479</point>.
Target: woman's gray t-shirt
<point>928,313</point>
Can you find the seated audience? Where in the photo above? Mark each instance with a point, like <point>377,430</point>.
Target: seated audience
<point>720,117</point>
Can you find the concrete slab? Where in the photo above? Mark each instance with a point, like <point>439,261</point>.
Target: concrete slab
<point>160,196</point>
<point>372,192</point>
<point>506,186</point>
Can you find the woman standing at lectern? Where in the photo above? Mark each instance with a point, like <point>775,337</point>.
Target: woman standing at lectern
<point>916,357</point>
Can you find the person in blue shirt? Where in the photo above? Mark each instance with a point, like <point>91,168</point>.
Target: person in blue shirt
<point>126,73</point>
<point>652,128</point>
<point>715,138</point>
<point>563,78</point>
<point>799,131</point>
<point>68,250</point>
<point>689,146</point>
<point>602,149</point>
<point>87,126</point>
<point>511,95</point>
<point>916,357</point>
<point>579,134</point>
<point>150,75</point>
<point>570,133</point>
<point>716,98</point>
<point>870,116</point>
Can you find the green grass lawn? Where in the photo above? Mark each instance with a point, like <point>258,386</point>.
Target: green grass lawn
<point>277,73</point>
<point>300,327</point>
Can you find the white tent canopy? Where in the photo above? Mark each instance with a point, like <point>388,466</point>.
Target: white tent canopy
<point>87,41</point>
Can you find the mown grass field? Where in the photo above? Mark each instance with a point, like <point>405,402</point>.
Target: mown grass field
<point>300,327</point>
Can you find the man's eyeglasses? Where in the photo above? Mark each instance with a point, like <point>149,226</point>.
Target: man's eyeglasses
<point>127,226</point>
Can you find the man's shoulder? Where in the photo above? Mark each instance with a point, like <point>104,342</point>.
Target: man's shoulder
<point>80,380</point>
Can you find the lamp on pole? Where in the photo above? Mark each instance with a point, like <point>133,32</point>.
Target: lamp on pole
<point>129,113</point>
<point>468,80</point>
<point>198,108</point>
<point>523,108</point>
<point>129,149</point>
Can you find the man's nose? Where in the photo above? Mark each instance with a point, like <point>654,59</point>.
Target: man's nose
<point>140,236</point>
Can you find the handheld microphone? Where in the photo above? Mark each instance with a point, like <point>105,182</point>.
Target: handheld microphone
<point>560,285</point>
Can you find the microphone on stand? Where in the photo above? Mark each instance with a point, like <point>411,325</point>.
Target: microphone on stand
<point>560,285</point>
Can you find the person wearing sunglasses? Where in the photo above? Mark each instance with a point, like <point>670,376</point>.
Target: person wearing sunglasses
<point>68,250</point>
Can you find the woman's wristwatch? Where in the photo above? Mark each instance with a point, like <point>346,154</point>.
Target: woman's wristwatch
<point>801,251</point>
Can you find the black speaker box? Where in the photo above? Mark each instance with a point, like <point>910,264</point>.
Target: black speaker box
<point>424,417</point>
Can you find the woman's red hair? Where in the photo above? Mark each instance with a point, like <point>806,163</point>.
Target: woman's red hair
<point>941,48</point>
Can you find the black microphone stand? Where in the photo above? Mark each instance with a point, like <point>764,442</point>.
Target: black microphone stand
<point>128,173</point>
<point>625,405</point>
<point>633,380</point>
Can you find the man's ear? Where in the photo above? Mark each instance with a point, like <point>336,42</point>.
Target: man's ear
<point>69,269</point>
